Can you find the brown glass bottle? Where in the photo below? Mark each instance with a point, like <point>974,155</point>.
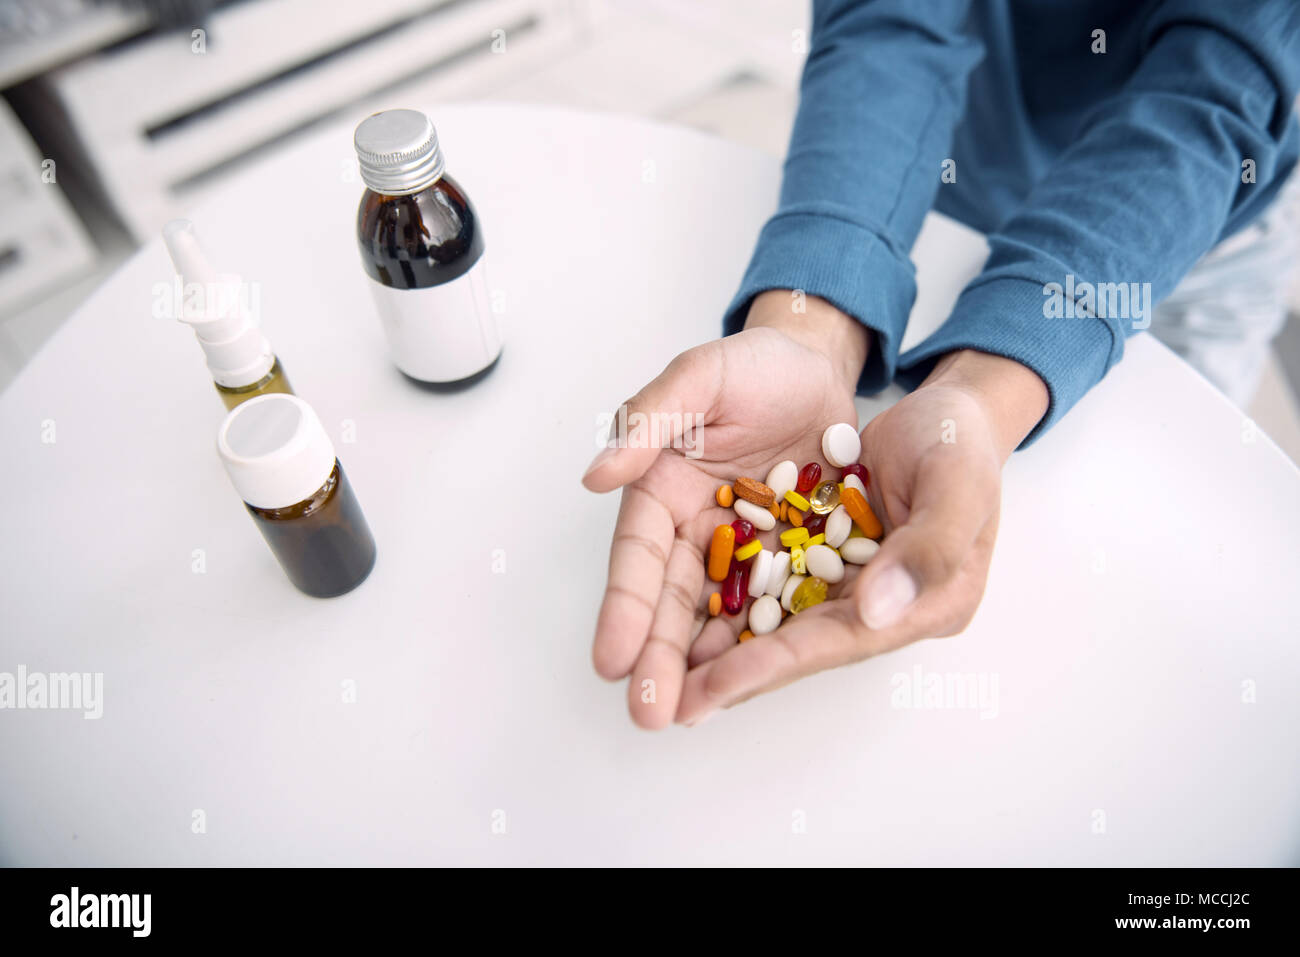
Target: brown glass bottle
<point>421,240</point>
<point>421,244</point>
<point>323,542</point>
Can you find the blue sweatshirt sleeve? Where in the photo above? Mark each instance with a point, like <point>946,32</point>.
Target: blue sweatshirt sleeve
<point>1152,180</point>
<point>882,91</point>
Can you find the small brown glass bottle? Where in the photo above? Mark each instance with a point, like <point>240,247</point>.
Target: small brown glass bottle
<point>282,464</point>
<point>422,245</point>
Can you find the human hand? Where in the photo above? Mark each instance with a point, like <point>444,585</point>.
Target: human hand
<point>935,460</point>
<point>755,398</point>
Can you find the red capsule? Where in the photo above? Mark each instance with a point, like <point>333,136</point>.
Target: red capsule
<point>744,530</point>
<point>858,469</point>
<point>816,524</point>
<point>735,587</point>
<point>809,476</point>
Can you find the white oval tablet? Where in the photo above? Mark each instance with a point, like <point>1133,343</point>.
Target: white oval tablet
<point>841,445</point>
<point>779,573</point>
<point>852,481</point>
<point>787,593</point>
<point>782,478</point>
<point>838,526</point>
<point>759,570</point>
<point>761,517</point>
<point>859,551</point>
<point>764,615</point>
<point>823,563</point>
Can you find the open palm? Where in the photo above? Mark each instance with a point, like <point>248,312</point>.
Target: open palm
<point>756,398</point>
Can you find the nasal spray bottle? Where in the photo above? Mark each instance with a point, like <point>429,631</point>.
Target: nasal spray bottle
<point>239,356</point>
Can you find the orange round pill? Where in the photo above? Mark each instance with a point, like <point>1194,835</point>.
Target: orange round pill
<point>746,635</point>
<point>715,604</point>
<point>726,497</point>
<point>794,517</point>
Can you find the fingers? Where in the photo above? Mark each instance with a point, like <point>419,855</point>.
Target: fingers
<point>638,558</point>
<point>819,638</point>
<point>655,688</point>
<point>828,636</point>
<point>951,503</point>
<point>657,417</point>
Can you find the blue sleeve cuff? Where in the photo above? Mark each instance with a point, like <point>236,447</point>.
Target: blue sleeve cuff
<point>1005,317</point>
<point>854,268</point>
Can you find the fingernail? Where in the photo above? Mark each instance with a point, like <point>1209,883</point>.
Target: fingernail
<point>603,456</point>
<point>888,598</point>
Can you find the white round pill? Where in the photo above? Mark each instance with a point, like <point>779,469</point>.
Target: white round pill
<point>838,526</point>
<point>759,570</point>
<point>764,615</point>
<point>763,520</point>
<point>787,593</point>
<point>823,563</point>
<point>841,445</point>
<point>779,573</point>
<point>859,551</point>
<point>782,478</point>
<point>852,481</point>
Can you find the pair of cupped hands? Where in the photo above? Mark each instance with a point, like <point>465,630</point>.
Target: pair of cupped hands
<point>756,398</point>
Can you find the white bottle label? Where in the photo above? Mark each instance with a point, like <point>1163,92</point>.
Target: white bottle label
<point>442,333</point>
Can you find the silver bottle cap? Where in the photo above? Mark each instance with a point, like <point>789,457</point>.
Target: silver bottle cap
<point>398,152</point>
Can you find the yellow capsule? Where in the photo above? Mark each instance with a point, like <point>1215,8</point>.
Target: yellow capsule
<point>824,498</point>
<point>797,500</point>
<point>794,536</point>
<point>748,550</point>
<point>810,592</point>
<point>839,487</point>
<point>797,563</point>
<point>817,539</point>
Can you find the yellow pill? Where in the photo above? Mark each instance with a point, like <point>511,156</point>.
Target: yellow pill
<point>810,592</point>
<point>797,500</point>
<point>748,550</point>
<point>794,536</point>
<point>797,563</point>
<point>815,540</point>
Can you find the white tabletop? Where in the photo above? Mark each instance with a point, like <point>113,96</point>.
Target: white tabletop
<point>1140,620</point>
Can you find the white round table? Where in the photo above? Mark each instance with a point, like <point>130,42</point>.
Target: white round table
<point>1134,672</point>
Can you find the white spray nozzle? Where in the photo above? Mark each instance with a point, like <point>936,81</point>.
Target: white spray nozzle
<point>213,305</point>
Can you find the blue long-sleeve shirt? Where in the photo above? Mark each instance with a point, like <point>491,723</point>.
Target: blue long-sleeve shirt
<point>1123,166</point>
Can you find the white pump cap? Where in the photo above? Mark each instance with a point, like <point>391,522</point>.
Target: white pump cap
<point>238,354</point>
<point>275,450</point>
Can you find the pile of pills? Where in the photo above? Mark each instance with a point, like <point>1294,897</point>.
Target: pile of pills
<point>830,524</point>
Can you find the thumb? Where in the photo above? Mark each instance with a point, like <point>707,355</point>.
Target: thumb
<point>664,414</point>
<point>951,503</point>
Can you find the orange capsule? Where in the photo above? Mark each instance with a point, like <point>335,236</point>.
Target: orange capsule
<point>725,496</point>
<point>720,550</point>
<point>861,512</point>
<point>715,604</point>
<point>794,517</point>
<point>746,635</point>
